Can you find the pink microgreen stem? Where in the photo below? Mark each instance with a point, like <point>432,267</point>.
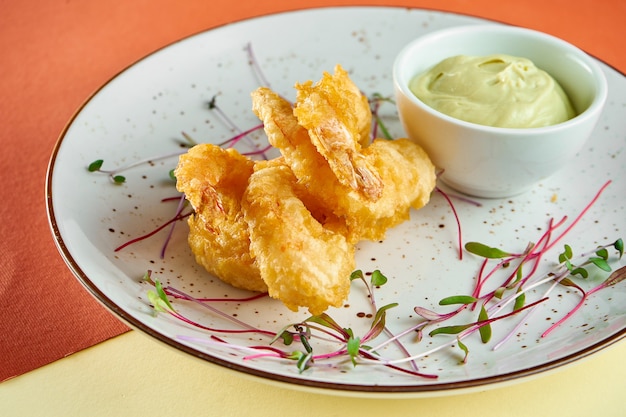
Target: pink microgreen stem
<point>144,161</point>
<point>254,63</point>
<point>235,139</point>
<point>584,297</point>
<point>474,327</point>
<point>534,252</point>
<point>220,313</point>
<point>179,209</point>
<point>224,300</point>
<point>168,199</point>
<point>216,341</point>
<point>414,372</point>
<point>420,326</point>
<point>386,330</point>
<point>556,278</point>
<point>573,311</point>
<point>215,108</point>
<point>155,231</point>
<point>580,215</point>
<point>458,221</point>
<point>481,323</point>
<point>259,151</point>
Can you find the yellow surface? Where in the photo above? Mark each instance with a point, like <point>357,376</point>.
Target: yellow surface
<point>132,375</point>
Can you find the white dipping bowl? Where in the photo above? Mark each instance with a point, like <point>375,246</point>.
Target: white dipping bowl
<point>496,162</point>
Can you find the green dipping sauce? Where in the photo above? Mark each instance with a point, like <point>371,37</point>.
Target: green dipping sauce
<point>495,90</point>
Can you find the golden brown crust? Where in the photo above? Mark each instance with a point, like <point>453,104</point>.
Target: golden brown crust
<point>302,262</point>
<point>289,225</point>
<point>213,181</point>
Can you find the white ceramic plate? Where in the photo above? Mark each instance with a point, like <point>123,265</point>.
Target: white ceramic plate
<point>141,113</point>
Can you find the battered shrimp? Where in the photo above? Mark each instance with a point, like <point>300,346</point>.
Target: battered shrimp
<point>299,153</point>
<point>289,226</point>
<point>407,176</point>
<point>302,262</point>
<point>213,181</point>
<point>332,111</point>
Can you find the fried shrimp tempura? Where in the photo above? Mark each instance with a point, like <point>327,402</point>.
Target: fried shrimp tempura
<point>406,173</point>
<point>409,179</point>
<point>284,133</point>
<point>302,262</point>
<point>335,113</point>
<point>213,181</point>
<point>289,226</point>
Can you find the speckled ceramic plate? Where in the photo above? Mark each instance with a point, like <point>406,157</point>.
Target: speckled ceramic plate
<point>140,115</point>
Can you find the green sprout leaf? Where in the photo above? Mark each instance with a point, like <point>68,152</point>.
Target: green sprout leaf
<point>147,277</point>
<point>378,324</point>
<point>603,253</point>
<point>353,346</point>
<point>566,255</point>
<point>464,349</point>
<point>457,299</point>
<point>380,314</point>
<point>485,251</point>
<point>484,329</point>
<point>455,329</point>
<point>520,300</point>
<point>283,334</point>
<point>619,246</point>
<point>172,175</point>
<point>378,279</point>
<point>326,321</point>
<point>287,337</point>
<point>303,360</point>
<point>95,165</point>
<point>119,179</point>
<point>162,295</point>
<point>582,272</point>
<point>499,292</point>
<point>358,274</point>
<point>601,263</point>
<point>158,303</point>
<point>211,104</point>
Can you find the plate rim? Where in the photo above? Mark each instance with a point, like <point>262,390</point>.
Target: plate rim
<point>345,389</point>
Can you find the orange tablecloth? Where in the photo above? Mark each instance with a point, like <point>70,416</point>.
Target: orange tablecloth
<point>54,54</point>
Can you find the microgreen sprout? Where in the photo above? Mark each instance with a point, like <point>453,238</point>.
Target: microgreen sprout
<point>96,166</point>
<point>376,100</point>
<point>299,342</point>
<point>240,135</point>
<point>114,175</point>
<point>178,216</point>
<point>446,196</point>
<point>256,68</point>
<point>519,279</point>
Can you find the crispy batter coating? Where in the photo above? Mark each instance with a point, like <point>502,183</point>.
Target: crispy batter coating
<point>334,112</point>
<point>289,226</point>
<point>214,180</point>
<point>299,153</point>
<point>409,178</point>
<point>406,173</point>
<point>302,262</point>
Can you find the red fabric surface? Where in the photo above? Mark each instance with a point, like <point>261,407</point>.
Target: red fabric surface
<point>55,53</point>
